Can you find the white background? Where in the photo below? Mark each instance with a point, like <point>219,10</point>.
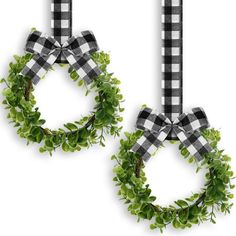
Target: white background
<point>73,194</point>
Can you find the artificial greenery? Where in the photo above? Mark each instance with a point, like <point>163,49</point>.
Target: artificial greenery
<point>23,113</point>
<point>200,207</point>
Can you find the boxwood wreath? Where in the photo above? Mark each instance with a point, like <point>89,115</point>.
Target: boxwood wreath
<point>23,113</point>
<point>200,207</point>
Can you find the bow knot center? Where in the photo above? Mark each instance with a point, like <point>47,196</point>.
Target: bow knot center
<point>177,127</point>
<point>173,126</point>
<point>62,48</point>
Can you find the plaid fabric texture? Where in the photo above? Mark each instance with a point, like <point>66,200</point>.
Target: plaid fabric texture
<point>76,51</point>
<point>172,60</point>
<point>61,22</point>
<point>186,127</point>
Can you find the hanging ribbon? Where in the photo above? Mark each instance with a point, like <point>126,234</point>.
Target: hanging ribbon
<point>187,128</point>
<point>172,60</point>
<point>75,50</point>
<point>61,23</point>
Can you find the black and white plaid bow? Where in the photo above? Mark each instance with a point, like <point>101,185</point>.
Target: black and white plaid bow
<point>187,128</point>
<point>47,50</point>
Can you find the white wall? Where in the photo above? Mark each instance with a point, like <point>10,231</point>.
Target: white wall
<point>73,194</point>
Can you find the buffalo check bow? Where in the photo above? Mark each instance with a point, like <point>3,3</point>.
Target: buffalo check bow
<point>187,128</point>
<point>47,50</point>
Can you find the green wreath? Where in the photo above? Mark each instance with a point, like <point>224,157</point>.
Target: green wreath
<point>200,207</point>
<point>24,114</point>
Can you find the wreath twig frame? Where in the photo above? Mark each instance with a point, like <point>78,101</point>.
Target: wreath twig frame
<point>23,113</point>
<point>184,213</point>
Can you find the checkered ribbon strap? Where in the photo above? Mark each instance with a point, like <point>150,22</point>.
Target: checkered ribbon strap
<point>76,50</point>
<point>172,54</point>
<point>186,127</point>
<point>61,22</point>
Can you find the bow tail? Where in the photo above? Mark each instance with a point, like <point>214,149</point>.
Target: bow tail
<point>38,66</point>
<point>195,143</point>
<point>85,67</point>
<point>148,143</point>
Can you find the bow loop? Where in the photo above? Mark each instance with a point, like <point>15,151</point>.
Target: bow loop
<point>47,50</point>
<point>42,44</point>
<point>84,43</point>
<point>189,122</point>
<point>187,128</point>
<point>149,121</point>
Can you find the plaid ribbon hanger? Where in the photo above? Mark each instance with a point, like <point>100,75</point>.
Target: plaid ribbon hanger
<point>172,124</point>
<point>62,47</point>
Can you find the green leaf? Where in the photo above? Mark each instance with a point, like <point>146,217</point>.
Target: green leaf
<point>183,215</point>
<point>13,112</point>
<point>19,117</point>
<point>167,217</point>
<point>48,144</point>
<point>71,126</point>
<point>109,109</point>
<point>41,122</point>
<point>84,133</point>
<point>2,80</point>
<point>74,75</point>
<point>100,115</point>
<point>185,152</point>
<point>73,138</point>
<point>176,223</point>
<point>39,137</point>
<point>81,83</point>
<point>226,158</point>
<point>194,210</point>
<point>130,194</point>
<point>153,226</point>
<point>181,203</point>
<point>65,147</point>
<point>152,199</point>
<point>42,150</point>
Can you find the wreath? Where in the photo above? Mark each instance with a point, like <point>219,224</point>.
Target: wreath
<point>200,207</point>
<point>23,113</point>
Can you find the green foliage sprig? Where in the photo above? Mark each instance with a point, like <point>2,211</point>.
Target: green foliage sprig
<point>23,113</point>
<point>200,207</point>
